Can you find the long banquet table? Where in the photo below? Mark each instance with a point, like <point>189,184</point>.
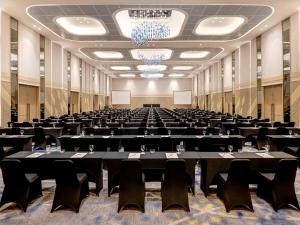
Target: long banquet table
<point>153,164</point>
<point>203,143</point>
<point>279,142</point>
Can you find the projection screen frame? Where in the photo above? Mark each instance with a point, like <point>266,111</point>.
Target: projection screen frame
<point>122,91</point>
<point>183,91</point>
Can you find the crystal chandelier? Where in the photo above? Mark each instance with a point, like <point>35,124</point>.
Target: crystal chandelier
<point>154,59</point>
<point>149,13</point>
<point>149,31</point>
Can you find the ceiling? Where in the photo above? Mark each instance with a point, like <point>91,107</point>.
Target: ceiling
<point>197,26</point>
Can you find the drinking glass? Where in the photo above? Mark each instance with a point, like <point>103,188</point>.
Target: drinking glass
<point>228,132</point>
<point>169,132</point>
<point>3,134</point>
<point>143,149</point>
<point>112,133</point>
<point>290,132</point>
<point>145,132</point>
<point>204,132</point>
<point>152,150</point>
<point>82,133</point>
<point>91,148</point>
<point>22,132</point>
<point>178,149</point>
<point>267,148</point>
<point>230,148</point>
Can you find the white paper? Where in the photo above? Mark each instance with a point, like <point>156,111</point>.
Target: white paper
<point>12,136</point>
<point>171,155</point>
<point>289,136</point>
<point>226,155</point>
<point>78,155</point>
<point>141,136</point>
<point>134,155</point>
<point>224,136</point>
<point>106,136</point>
<point>35,155</point>
<point>200,136</point>
<point>265,155</point>
<point>165,136</point>
<point>77,136</point>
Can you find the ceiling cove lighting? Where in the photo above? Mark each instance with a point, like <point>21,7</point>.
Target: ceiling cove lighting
<point>126,75</point>
<point>176,75</point>
<point>194,54</point>
<point>127,23</point>
<point>120,67</point>
<point>82,25</point>
<point>219,25</point>
<point>152,67</point>
<point>152,75</point>
<point>108,55</point>
<point>183,67</point>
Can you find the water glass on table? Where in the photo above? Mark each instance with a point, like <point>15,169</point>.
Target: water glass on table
<point>230,148</point>
<point>91,148</point>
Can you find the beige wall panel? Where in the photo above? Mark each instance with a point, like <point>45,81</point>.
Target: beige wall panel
<point>74,96</point>
<point>244,95</point>
<point>228,102</point>
<point>273,95</point>
<point>28,103</point>
<point>59,102</point>
<point>5,102</point>
<point>295,102</point>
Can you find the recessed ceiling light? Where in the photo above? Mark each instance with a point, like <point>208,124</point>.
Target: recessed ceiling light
<point>176,75</point>
<point>150,53</point>
<point>120,68</point>
<point>183,67</point>
<point>108,55</point>
<point>219,25</point>
<point>151,67</point>
<point>81,25</point>
<point>194,54</point>
<point>153,75</point>
<point>126,75</point>
<point>126,23</point>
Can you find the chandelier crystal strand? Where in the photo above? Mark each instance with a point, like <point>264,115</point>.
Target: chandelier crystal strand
<point>149,31</point>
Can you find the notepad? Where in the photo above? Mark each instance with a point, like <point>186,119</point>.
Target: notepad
<point>106,136</point>
<point>224,136</point>
<point>77,136</point>
<point>264,155</point>
<point>165,136</point>
<point>200,136</point>
<point>35,155</point>
<point>171,155</point>
<point>226,155</point>
<point>78,155</point>
<point>134,155</point>
<point>140,136</point>
<point>289,136</point>
<point>12,136</point>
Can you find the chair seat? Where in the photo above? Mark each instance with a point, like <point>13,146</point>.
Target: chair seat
<point>31,177</point>
<point>81,177</point>
<point>291,150</point>
<point>268,176</point>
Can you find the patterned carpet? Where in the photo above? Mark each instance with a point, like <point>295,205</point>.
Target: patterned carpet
<point>103,210</point>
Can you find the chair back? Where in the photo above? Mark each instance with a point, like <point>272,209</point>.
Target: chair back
<point>162,131</point>
<point>175,172</point>
<point>276,124</point>
<point>131,172</point>
<point>190,131</point>
<point>65,172</point>
<point>239,171</point>
<point>89,130</point>
<point>12,171</point>
<point>286,171</point>
<point>210,130</point>
<point>262,133</point>
<point>15,130</point>
<point>39,135</point>
<point>282,131</point>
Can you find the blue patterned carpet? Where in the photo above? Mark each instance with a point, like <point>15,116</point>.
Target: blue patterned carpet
<point>103,210</point>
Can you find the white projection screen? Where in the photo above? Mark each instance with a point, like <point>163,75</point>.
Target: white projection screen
<point>120,97</point>
<point>182,97</point>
